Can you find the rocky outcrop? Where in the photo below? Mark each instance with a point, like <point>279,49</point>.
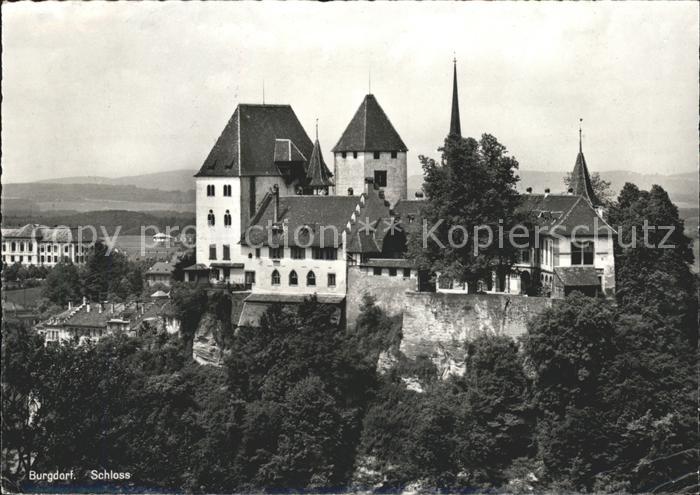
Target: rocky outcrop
<point>206,344</point>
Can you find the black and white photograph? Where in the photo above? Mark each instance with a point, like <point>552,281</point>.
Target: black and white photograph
<point>350,247</point>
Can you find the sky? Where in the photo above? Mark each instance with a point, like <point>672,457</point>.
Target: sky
<point>124,88</point>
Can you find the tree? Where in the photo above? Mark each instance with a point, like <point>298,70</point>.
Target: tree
<point>601,187</point>
<point>653,257</point>
<point>110,274</point>
<point>63,284</point>
<point>473,186</point>
<point>186,259</point>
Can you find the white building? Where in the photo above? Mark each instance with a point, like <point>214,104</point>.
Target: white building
<point>40,245</point>
<point>265,176</point>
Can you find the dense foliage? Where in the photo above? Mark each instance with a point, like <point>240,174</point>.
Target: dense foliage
<point>471,198</point>
<point>106,275</point>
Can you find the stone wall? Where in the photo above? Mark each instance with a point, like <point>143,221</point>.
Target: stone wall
<point>389,292</point>
<point>438,324</point>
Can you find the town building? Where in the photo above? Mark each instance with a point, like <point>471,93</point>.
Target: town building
<point>161,273</point>
<point>90,321</point>
<point>40,245</point>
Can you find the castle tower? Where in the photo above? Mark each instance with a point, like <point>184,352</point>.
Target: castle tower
<point>455,126</point>
<point>371,147</point>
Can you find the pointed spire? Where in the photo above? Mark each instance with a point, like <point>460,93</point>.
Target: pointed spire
<point>455,127</point>
<point>580,178</point>
<point>317,173</point>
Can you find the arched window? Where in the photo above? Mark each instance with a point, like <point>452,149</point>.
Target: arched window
<point>210,218</point>
<point>293,279</point>
<point>14,246</point>
<point>310,278</point>
<point>275,277</point>
<point>227,219</point>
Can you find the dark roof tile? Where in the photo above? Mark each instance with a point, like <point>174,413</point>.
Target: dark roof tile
<point>370,130</point>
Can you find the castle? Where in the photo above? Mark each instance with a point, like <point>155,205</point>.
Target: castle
<point>274,219</point>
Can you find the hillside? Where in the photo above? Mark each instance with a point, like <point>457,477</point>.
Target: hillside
<point>90,197</point>
<point>174,180</point>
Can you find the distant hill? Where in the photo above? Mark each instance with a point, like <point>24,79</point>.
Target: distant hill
<point>682,188</point>
<point>174,180</point>
<point>52,196</point>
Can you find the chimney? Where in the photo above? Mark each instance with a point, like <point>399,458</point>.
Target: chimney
<point>528,190</point>
<point>276,205</point>
<point>87,308</point>
<point>99,310</point>
<point>84,300</point>
<point>369,184</point>
<point>350,191</point>
<point>70,305</point>
<point>112,308</point>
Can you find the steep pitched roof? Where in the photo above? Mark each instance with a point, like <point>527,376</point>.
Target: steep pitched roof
<point>318,174</point>
<point>564,212</point>
<point>370,130</point>
<point>581,180</point>
<point>455,126</point>
<point>295,212</point>
<point>161,268</point>
<point>323,217</point>
<point>248,145</point>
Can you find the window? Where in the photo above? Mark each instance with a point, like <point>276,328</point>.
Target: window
<point>331,280</point>
<point>210,218</point>
<point>65,249</point>
<point>257,252</point>
<point>298,253</point>
<point>311,278</point>
<point>212,251</point>
<point>392,272</point>
<point>275,277</point>
<point>376,270</point>
<point>21,246</point>
<point>344,154</point>
<point>210,190</point>
<point>249,278</point>
<point>394,154</point>
<point>354,154</point>
<point>276,253</point>
<point>376,155</point>
<point>41,248</point>
<point>12,258</point>
<point>14,246</point>
<point>411,218</point>
<point>582,253</point>
<point>227,219</point>
<point>55,248</point>
<point>227,252</point>
<point>31,247</point>
<point>41,257</point>
<point>293,279</point>
<point>21,259</point>
<point>380,178</point>
<point>406,273</point>
<point>4,246</point>
<point>525,256</point>
<point>327,253</point>
<point>227,190</point>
